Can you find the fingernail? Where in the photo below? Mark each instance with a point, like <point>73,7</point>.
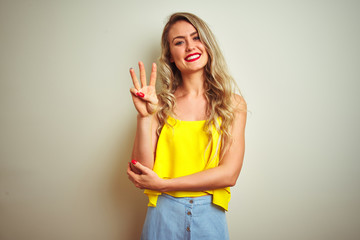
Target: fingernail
<point>133,161</point>
<point>131,68</point>
<point>140,94</point>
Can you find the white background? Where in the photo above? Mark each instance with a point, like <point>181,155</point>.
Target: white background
<point>68,123</point>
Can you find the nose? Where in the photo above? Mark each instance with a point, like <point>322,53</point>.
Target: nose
<point>190,46</point>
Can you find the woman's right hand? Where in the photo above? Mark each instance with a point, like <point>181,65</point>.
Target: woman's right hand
<point>144,97</point>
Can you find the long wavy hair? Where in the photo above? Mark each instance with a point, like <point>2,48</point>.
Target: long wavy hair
<point>219,84</point>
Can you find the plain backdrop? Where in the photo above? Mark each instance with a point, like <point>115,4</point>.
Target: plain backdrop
<point>67,121</point>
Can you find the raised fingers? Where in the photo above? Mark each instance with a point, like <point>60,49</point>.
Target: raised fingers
<point>134,79</point>
<point>142,74</point>
<point>153,75</point>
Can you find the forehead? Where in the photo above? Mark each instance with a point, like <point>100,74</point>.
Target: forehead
<point>181,28</point>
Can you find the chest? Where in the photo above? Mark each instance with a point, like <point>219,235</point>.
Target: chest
<point>191,109</point>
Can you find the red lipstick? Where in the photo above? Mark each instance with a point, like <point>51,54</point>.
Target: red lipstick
<point>192,57</point>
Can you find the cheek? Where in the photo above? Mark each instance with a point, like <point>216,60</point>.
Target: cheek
<point>175,55</point>
<point>206,59</point>
<point>204,50</point>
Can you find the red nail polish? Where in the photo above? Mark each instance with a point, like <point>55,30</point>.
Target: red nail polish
<point>134,162</point>
<point>140,94</point>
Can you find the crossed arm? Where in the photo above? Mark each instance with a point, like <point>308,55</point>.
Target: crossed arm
<point>224,175</point>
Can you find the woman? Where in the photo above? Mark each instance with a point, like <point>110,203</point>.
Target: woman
<point>189,143</point>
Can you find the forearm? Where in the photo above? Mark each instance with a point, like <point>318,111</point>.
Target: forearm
<point>214,178</point>
<point>143,150</point>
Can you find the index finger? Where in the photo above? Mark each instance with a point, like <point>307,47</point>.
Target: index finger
<point>153,75</point>
<point>142,74</point>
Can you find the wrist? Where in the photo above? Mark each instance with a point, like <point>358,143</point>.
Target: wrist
<point>164,185</point>
<point>144,118</point>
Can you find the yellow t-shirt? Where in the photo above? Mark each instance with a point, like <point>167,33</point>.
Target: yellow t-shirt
<point>183,150</point>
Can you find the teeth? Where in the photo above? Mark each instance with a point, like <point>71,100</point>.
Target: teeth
<point>193,57</point>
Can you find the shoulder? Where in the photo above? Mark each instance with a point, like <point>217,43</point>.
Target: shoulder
<point>238,103</point>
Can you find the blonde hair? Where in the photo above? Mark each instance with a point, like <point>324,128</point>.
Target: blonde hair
<point>219,84</point>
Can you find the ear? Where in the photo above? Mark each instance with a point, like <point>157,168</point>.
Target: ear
<point>171,59</point>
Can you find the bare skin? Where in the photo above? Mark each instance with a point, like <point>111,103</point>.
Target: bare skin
<point>190,106</point>
<point>145,101</point>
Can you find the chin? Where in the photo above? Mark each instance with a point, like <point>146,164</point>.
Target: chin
<point>188,67</point>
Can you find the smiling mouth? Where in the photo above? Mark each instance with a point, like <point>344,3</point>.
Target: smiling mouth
<point>193,57</point>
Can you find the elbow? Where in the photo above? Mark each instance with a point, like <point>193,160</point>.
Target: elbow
<point>231,180</point>
<point>230,176</point>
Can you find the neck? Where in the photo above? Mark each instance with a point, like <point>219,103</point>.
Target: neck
<point>193,84</point>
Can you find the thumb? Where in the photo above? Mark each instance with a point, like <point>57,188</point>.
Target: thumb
<point>150,98</point>
<point>139,166</point>
<point>133,91</point>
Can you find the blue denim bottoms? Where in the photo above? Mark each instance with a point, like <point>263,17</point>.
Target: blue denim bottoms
<point>185,218</point>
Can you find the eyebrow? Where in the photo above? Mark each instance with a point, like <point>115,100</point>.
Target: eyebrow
<point>192,34</point>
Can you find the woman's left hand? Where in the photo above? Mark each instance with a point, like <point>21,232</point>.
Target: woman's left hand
<point>148,179</point>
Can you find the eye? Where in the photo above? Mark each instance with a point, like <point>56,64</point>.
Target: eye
<point>197,38</point>
<point>179,43</point>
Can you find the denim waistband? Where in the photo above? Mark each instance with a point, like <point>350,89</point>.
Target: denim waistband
<point>203,200</point>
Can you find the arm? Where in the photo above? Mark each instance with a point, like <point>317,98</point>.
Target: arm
<point>145,140</point>
<point>145,101</point>
<point>225,175</point>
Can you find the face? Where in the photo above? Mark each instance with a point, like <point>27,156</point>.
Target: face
<point>187,51</point>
